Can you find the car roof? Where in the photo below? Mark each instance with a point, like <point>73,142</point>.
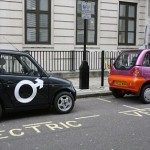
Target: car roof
<point>2,51</point>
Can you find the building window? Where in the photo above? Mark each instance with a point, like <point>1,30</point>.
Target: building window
<point>37,21</point>
<point>91,25</point>
<point>127,23</point>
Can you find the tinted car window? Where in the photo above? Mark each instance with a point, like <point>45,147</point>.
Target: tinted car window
<point>146,61</point>
<point>126,60</point>
<point>17,65</point>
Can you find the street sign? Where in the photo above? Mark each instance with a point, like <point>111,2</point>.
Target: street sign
<point>86,10</point>
<point>86,16</point>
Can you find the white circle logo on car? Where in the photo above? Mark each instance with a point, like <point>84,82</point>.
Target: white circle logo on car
<point>39,83</point>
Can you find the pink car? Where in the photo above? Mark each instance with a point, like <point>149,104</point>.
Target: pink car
<point>130,74</point>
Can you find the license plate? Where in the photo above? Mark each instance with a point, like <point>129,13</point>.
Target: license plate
<point>120,83</point>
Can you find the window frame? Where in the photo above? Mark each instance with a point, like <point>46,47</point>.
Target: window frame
<point>92,16</point>
<point>127,18</point>
<point>38,12</point>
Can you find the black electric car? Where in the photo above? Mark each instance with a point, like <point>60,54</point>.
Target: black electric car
<point>24,85</point>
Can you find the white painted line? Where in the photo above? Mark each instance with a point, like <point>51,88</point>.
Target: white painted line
<point>136,111</point>
<point>5,137</point>
<point>94,116</point>
<point>104,100</point>
<point>37,124</point>
<point>131,107</point>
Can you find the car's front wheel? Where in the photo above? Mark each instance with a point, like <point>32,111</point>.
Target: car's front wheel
<point>145,94</point>
<point>64,102</point>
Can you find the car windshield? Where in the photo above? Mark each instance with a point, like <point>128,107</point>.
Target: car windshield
<point>126,60</point>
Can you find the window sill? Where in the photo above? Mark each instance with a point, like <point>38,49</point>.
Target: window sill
<point>88,47</point>
<point>37,46</point>
<point>128,47</point>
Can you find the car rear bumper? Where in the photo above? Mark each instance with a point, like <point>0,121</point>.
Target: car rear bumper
<point>128,83</point>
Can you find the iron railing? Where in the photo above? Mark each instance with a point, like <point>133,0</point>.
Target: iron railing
<point>71,60</point>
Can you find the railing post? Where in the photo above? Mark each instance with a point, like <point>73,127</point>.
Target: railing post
<point>102,68</point>
<point>72,61</point>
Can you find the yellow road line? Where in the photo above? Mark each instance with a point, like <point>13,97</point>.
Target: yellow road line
<point>94,116</point>
<point>37,124</point>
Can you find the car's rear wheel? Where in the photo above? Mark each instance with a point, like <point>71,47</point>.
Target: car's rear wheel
<point>64,102</point>
<point>118,93</point>
<point>145,94</point>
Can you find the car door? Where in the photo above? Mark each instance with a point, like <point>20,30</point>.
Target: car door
<point>23,82</point>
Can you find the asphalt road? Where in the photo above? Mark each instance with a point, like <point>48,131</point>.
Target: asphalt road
<point>99,123</point>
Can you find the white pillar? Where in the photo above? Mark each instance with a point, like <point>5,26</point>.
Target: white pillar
<point>148,8</point>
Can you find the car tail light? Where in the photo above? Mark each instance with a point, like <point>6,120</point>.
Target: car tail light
<point>111,70</point>
<point>135,71</point>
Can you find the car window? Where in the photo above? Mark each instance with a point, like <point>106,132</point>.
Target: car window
<point>126,60</point>
<point>146,61</point>
<point>17,65</point>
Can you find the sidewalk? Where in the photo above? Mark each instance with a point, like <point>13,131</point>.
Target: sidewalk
<point>95,88</point>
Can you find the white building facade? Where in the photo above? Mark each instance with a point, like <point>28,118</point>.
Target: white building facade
<point>53,25</point>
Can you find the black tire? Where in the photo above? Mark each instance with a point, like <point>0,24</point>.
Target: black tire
<point>145,94</point>
<point>64,102</point>
<point>118,93</point>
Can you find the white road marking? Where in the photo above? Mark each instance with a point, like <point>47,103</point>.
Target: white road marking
<point>136,111</point>
<point>131,107</point>
<point>37,124</point>
<point>94,116</point>
<point>104,100</point>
